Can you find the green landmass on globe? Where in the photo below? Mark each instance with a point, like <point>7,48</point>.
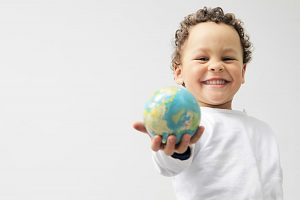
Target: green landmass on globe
<point>172,110</point>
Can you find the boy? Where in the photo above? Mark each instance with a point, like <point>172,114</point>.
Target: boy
<point>237,156</point>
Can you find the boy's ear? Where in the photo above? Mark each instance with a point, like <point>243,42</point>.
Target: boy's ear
<point>178,74</point>
<point>243,72</point>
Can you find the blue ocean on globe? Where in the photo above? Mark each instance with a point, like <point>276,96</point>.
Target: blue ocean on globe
<point>172,110</point>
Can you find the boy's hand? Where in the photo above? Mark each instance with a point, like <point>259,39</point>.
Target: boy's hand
<point>170,147</point>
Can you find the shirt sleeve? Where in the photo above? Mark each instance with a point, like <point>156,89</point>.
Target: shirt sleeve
<point>269,166</point>
<point>171,166</point>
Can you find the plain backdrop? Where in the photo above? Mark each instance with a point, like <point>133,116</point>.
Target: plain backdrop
<point>76,74</point>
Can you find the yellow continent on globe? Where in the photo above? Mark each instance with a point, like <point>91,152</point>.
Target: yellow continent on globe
<point>159,125</point>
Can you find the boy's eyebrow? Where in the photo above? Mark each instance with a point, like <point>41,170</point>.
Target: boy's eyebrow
<point>229,50</point>
<point>201,49</point>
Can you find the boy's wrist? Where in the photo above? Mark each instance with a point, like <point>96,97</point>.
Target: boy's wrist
<point>183,156</point>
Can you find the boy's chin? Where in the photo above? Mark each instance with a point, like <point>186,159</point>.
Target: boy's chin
<point>216,104</point>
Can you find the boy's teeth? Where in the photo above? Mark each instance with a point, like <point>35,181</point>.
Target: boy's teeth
<point>215,82</point>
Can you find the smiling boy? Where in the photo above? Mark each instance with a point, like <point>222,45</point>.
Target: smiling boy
<point>236,156</point>
<point>212,65</point>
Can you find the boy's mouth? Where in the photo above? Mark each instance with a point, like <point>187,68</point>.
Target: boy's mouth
<point>215,82</point>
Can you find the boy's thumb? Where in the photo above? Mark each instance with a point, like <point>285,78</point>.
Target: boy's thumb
<point>139,126</point>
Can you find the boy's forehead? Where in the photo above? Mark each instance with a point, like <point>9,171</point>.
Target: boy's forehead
<point>213,30</point>
<point>207,34</point>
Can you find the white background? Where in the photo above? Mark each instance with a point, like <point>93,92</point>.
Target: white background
<point>74,75</point>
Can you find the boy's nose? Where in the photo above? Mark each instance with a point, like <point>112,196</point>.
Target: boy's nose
<point>216,67</point>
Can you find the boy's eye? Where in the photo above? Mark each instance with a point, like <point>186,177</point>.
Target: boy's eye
<point>203,59</point>
<point>228,59</point>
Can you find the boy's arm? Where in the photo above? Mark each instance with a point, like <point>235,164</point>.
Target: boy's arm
<point>170,159</point>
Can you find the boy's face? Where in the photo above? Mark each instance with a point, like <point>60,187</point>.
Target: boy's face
<point>212,66</point>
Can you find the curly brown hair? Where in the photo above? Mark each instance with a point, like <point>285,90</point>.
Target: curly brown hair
<point>209,15</point>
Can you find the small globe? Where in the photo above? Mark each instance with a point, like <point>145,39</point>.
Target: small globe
<point>172,111</point>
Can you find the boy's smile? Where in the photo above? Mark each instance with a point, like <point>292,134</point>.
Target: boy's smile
<point>215,82</point>
<point>212,64</point>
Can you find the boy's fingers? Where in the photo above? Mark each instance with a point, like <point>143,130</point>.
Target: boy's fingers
<point>156,143</point>
<point>183,145</point>
<point>139,126</point>
<point>170,146</point>
<point>197,135</point>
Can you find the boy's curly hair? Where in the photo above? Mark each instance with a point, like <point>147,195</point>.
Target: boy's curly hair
<point>209,15</point>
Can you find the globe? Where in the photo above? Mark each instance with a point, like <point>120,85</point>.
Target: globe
<point>172,111</point>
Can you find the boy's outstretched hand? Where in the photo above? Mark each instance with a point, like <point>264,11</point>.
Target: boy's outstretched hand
<point>170,147</point>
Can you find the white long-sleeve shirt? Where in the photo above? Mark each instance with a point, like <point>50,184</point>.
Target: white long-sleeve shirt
<point>236,158</point>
